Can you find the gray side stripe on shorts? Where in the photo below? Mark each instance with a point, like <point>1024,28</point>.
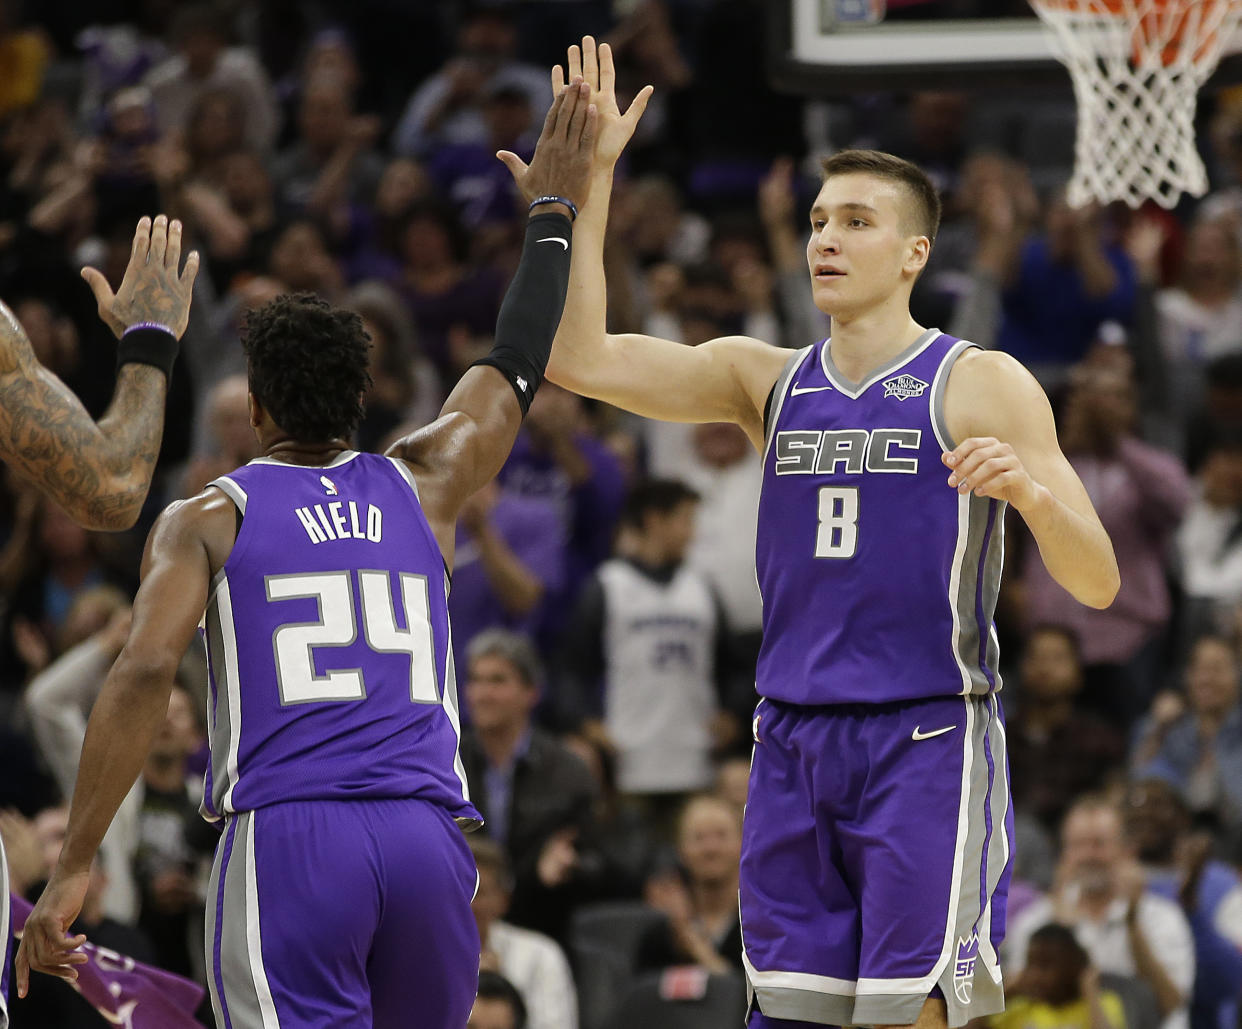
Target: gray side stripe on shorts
<point>966,982</point>
<point>1000,847</point>
<point>246,992</point>
<point>810,1005</point>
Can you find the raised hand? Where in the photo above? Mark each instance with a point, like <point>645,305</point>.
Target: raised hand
<point>594,66</point>
<point>561,165</point>
<point>152,290</point>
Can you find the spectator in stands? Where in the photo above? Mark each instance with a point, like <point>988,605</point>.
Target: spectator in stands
<point>559,460</point>
<point>1200,318</point>
<point>498,1004</point>
<point>157,840</point>
<point>699,897</point>
<point>1179,866</point>
<point>33,848</point>
<point>1195,742</point>
<point>204,60</point>
<point>1209,542</point>
<point>447,107</point>
<point>468,173</point>
<point>1058,987</point>
<point>1140,493</point>
<point>537,798</point>
<point>1100,892</point>
<point>301,259</point>
<point>228,440</point>
<point>404,386</point>
<point>532,962</point>
<point>1056,751</point>
<point>1066,282</point>
<point>646,653</point>
<point>444,291</point>
<point>509,564</point>
<point>331,166</point>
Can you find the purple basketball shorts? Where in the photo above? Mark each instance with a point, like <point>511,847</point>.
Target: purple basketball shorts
<point>875,861</point>
<point>342,914</point>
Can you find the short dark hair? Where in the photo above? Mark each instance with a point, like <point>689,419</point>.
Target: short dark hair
<point>307,364</point>
<point>895,169</point>
<point>494,986</point>
<point>659,495</point>
<point>1061,936</point>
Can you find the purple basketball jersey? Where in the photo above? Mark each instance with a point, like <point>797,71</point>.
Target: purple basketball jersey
<point>879,581</point>
<point>331,670</point>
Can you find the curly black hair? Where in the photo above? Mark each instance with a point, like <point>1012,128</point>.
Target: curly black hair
<point>308,366</point>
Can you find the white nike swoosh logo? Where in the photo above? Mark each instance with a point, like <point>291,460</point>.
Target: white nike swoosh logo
<point>555,239</point>
<point>918,734</point>
<point>797,390</point>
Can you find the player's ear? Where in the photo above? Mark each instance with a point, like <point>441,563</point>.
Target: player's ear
<point>917,254</point>
<point>256,410</point>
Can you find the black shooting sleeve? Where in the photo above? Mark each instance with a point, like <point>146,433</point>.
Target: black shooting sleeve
<point>532,307</point>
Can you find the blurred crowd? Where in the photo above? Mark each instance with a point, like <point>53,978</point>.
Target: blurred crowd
<point>606,617</point>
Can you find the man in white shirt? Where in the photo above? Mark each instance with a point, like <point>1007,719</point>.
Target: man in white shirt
<point>531,961</point>
<point>1100,892</point>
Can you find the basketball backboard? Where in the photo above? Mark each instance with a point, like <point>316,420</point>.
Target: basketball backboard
<point>839,46</point>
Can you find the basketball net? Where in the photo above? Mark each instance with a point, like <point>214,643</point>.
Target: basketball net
<point>1137,67</point>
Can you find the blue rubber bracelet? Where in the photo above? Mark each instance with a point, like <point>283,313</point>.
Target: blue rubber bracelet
<point>573,208</point>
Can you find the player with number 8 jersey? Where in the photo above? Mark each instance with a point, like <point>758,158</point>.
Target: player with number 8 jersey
<point>861,462</point>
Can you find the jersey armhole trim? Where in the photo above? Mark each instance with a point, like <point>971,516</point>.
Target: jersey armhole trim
<point>403,470</point>
<point>776,398</point>
<point>939,424</point>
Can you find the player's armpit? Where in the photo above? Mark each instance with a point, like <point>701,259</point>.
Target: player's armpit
<point>723,380</point>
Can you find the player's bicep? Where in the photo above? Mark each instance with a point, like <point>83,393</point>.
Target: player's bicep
<point>722,380</point>
<point>1000,398</point>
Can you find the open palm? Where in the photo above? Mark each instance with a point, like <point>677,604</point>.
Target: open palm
<point>594,65</point>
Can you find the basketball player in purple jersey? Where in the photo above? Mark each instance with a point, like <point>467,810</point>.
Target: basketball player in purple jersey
<point>340,894</point>
<point>876,846</point>
<point>99,473</point>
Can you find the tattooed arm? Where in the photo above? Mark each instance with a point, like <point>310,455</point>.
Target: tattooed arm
<point>99,473</point>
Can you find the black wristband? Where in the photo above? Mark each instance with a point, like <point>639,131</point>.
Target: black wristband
<point>532,307</point>
<point>156,347</point>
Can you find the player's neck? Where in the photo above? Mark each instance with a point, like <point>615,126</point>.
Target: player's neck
<point>293,451</point>
<point>864,342</point>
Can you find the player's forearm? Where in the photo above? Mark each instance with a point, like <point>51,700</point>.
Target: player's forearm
<point>99,473</point>
<point>580,340</point>
<point>131,708</point>
<point>1076,550</point>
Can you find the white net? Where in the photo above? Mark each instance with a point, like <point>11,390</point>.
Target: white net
<point>1137,66</point>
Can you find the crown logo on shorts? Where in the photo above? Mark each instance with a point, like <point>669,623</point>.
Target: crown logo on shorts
<point>964,966</point>
<point>904,386</point>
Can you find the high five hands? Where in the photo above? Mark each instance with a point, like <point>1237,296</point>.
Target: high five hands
<point>590,82</point>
